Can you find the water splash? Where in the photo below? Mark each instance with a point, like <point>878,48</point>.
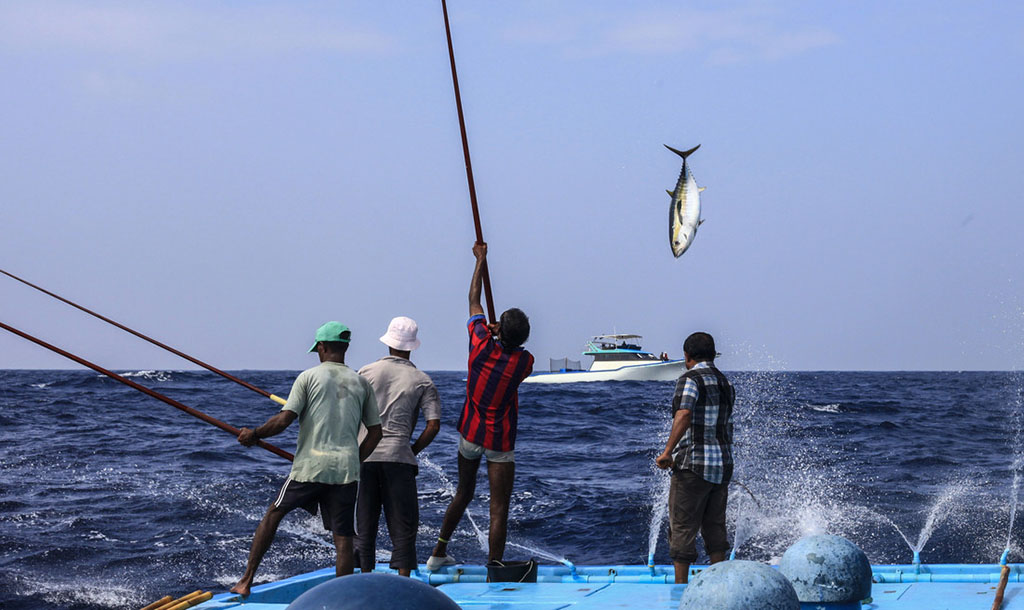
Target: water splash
<point>659,489</point>
<point>944,506</point>
<point>1018,460</point>
<point>1018,466</point>
<point>659,503</point>
<point>539,552</point>
<point>747,517</point>
<point>449,489</point>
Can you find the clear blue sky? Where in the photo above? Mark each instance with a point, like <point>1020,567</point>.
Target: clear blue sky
<point>227,176</point>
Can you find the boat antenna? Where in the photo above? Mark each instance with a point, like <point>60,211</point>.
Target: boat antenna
<point>174,403</point>
<point>208,367</point>
<point>469,165</point>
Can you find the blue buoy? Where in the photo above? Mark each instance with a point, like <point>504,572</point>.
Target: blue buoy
<point>739,585</point>
<point>373,592</point>
<point>827,569</point>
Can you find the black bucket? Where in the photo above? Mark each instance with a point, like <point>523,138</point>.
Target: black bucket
<point>512,571</point>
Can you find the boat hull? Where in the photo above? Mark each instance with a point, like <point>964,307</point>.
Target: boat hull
<point>896,587</point>
<point>669,370</point>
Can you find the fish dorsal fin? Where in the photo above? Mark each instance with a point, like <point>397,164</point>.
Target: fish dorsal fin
<point>683,153</point>
<point>701,189</point>
<point>670,193</point>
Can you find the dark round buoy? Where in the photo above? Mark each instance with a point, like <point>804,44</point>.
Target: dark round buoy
<point>373,592</point>
<point>827,569</point>
<point>739,585</point>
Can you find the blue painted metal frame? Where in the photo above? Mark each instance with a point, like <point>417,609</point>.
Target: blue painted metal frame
<point>896,586</point>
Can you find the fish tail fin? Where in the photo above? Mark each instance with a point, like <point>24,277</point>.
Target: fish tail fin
<point>670,193</point>
<point>681,153</point>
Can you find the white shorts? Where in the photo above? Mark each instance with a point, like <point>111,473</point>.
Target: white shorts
<point>472,451</point>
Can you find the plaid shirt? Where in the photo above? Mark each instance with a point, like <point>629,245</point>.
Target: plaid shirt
<point>706,447</point>
<point>490,415</point>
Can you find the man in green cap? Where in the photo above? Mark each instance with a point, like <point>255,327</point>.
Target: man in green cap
<point>330,401</point>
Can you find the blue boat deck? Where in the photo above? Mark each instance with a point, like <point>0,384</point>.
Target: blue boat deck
<point>897,587</point>
<point>557,596</point>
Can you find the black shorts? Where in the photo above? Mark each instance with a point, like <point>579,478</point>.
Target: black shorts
<point>337,503</point>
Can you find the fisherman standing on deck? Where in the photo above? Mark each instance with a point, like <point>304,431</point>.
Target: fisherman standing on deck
<point>388,477</point>
<point>701,440</point>
<point>330,401</point>
<point>487,425</point>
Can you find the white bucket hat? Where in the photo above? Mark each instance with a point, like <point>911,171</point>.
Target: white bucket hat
<point>401,334</point>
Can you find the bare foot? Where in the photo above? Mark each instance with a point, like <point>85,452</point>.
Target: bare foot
<point>242,588</point>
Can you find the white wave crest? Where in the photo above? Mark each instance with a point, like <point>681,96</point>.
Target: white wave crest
<point>150,375</point>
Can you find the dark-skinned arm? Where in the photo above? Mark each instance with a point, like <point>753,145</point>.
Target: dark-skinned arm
<point>680,424</point>
<point>274,426</point>
<point>373,436</point>
<point>476,284</point>
<point>428,434</point>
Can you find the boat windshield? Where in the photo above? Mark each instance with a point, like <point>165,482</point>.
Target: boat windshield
<point>603,343</point>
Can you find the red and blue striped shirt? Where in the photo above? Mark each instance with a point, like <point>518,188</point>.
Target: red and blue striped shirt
<point>491,412</point>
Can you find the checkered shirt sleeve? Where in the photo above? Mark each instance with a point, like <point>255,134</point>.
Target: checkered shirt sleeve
<point>685,396</point>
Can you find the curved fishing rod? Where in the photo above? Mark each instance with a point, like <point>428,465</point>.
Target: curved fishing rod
<point>484,275</point>
<point>208,367</point>
<point>174,403</point>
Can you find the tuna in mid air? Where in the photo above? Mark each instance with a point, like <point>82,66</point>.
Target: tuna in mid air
<point>684,212</point>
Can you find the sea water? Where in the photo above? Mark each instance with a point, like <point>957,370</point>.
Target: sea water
<point>110,499</point>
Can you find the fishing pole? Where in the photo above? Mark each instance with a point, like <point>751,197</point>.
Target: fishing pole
<point>469,165</point>
<point>174,403</point>
<point>208,367</point>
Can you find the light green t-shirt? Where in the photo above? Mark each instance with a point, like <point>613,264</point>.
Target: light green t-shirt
<point>331,400</point>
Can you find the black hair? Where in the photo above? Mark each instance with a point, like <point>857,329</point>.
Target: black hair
<point>515,327</point>
<point>338,347</point>
<point>335,347</point>
<point>700,347</point>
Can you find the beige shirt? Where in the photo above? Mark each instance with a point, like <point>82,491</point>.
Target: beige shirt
<point>402,391</point>
<point>331,400</point>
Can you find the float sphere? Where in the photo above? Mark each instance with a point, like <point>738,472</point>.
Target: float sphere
<point>739,585</point>
<point>826,568</point>
<point>373,592</point>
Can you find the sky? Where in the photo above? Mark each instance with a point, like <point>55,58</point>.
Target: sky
<point>226,176</point>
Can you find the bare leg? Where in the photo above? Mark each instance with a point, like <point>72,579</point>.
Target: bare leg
<point>463,494</point>
<point>716,557</point>
<point>260,543</point>
<point>682,572</point>
<point>404,572</point>
<point>345,559</point>
<point>501,476</point>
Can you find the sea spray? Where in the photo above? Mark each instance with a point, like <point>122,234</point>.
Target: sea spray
<point>481,536</point>
<point>449,489</point>
<point>1018,456</point>
<point>947,502</point>
<point>659,504</point>
<point>747,509</point>
<point>659,485</point>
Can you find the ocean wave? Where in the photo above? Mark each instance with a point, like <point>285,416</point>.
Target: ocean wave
<point>829,408</point>
<point>76,592</point>
<point>149,375</point>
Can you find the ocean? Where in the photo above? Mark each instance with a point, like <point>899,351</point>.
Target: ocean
<point>111,499</point>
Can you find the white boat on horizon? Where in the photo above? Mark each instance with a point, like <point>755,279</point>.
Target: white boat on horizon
<point>616,358</point>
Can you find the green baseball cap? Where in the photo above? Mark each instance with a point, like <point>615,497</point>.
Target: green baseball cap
<point>330,332</point>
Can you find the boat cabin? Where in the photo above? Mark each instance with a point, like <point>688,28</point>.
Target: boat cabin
<point>613,351</point>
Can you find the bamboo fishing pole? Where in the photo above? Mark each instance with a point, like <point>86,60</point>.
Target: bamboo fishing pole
<point>128,382</point>
<point>469,165</point>
<point>208,367</point>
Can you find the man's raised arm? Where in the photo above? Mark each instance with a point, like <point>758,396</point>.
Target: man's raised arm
<point>480,252</point>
